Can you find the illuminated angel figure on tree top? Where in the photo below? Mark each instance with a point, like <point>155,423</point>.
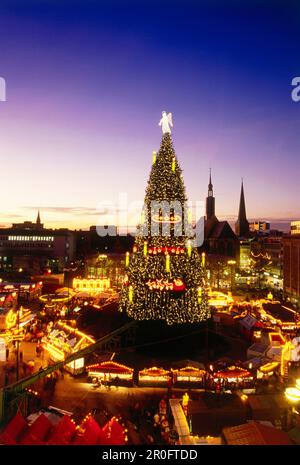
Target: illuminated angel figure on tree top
<point>166,122</point>
<point>164,273</point>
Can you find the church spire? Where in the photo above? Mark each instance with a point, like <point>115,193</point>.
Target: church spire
<point>242,225</point>
<point>210,200</point>
<point>38,223</point>
<point>210,186</point>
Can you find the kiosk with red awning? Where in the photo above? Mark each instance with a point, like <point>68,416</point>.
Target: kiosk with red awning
<point>154,376</point>
<point>111,371</point>
<point>189,375</point>
<point>234,374</point>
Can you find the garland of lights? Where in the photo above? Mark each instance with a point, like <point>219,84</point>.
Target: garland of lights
<point>164,274</point>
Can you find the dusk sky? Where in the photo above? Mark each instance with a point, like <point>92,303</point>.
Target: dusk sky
<point>87,81</point>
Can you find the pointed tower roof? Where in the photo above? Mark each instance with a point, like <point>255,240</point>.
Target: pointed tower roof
<point>210,186</point>
<point>38,218</point>
<point>242,208</point>
<point>242,225</point>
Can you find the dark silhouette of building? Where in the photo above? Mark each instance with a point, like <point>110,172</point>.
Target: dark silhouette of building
<point>33,248</point>
<point>210,201</point>
<point>242,225</point>
<point>219,238</point>
<point>291,267</point>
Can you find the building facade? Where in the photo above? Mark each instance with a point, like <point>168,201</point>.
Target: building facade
<point>295,227</point>
<point>31,247</point>
<point>291,267</point>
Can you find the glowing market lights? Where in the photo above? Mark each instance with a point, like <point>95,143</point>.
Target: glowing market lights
<point>11,319</point>
<point>127,260</point>
<point>292,394</point>
<point>92,285</point>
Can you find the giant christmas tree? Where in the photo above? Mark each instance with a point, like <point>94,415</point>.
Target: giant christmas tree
<point>165,275</point>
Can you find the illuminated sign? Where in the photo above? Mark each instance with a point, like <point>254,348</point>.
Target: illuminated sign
<point>91,285</point>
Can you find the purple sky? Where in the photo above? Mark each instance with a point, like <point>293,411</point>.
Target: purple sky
<point>86,85</point>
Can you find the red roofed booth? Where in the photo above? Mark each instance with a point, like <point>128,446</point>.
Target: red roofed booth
<point>255,434</point>
<point>154,376</point>
<point>14,430</point>
<point>63,433</point>
<point>92,433</point>
<point>37,432</point>
<point>114,433</point>
<point>234,374</point>
<point>110,371</point>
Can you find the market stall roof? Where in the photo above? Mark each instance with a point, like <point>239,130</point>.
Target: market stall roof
<point>188,363</point>
<point>279,311</point>
<point>248,321</point>
<point>233,372</point>
<point>114,433</point>
<point>63,432</point>
<point>255,433</point>
<point>109,366</point>
<point>189,370</point>
<point>267,367</point>
<point>255,361</point>
<point>258,349</point>
<point>154,371</point>
<point>64,333</point>
<point>266,406</point>
<point>37,432</point>
<point>14,430</point>
<point>92,433</point>
<point>276,338</point>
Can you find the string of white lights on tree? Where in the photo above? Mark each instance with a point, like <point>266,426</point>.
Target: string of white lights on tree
<point>165,276</point>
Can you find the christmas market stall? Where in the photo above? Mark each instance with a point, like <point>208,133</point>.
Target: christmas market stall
<point>110,372</point>
<point>268,369</point>
<point>115,433</point>
<point>189,375</point>
<point>63,340</point>
<point>234,376</point>
<point>63,432</point>
<point>154,376</point>
<point>57,429</point>
<point>14,430</point>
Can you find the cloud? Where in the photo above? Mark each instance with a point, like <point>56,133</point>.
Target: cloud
<point>103,209</point>
<point>79,211</point>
